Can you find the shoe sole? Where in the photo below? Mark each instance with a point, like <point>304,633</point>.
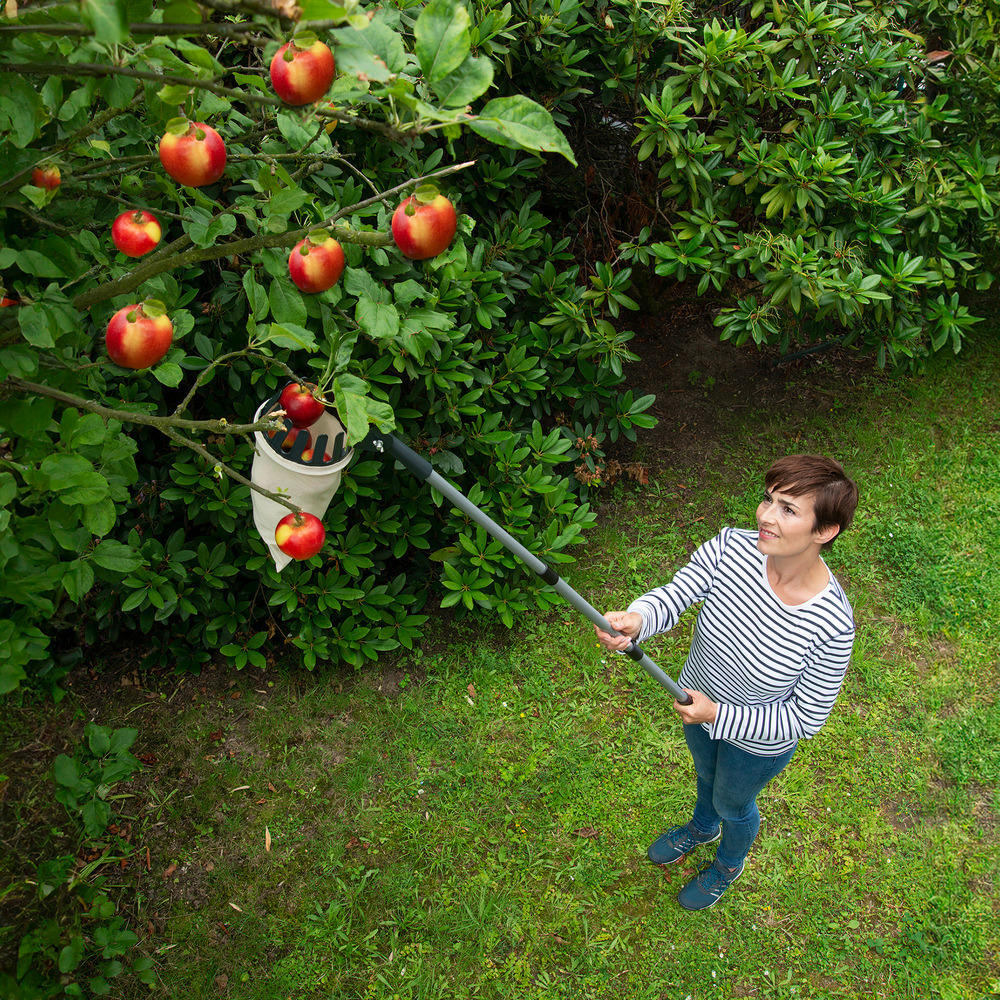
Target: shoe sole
<point>677,860</point>
<point>698,909</point>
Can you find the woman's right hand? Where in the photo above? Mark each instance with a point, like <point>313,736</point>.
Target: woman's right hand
<point>628,623</point>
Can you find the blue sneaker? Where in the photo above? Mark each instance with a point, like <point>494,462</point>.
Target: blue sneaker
<point>677,841</point>
<point>707,887</point>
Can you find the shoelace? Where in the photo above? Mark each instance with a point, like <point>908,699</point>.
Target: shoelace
<point>710,877</point>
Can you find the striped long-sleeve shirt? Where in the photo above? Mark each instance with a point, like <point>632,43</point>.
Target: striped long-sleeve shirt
<point>774,669</point>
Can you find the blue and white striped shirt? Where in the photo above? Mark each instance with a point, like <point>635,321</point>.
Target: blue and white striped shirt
<point>774,669</point>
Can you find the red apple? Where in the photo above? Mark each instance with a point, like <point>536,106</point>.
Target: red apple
<point>423,227</point>
<point>300,535</point>
<point>302,71</point>
<point>139,335</point>
<point>46,177</point>
<point>192,153</point>
<point>307,456</point>
<point>287,438</point>
<point>136,233</point>
<point>299,403</point>
<point>316,263</point>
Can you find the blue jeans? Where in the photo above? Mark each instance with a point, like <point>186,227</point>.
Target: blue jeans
<point>729,781</point>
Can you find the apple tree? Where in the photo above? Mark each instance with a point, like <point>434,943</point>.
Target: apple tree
<point>124,488</point>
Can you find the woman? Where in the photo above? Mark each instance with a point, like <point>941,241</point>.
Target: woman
<point>771,646</point>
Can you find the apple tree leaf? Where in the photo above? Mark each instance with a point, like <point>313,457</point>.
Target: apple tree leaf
<point>442,38</point>
<point>286,303</point>
<point>168,374</point>
<point>21,111</point>
<point>520,123</point>
<point>290,335</point>
<point>462,86</point>
<point>377,40</point>
<point>378,319</point>
<point>107,19</point>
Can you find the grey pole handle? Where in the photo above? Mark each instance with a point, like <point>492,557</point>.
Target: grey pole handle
<point>422,469</point>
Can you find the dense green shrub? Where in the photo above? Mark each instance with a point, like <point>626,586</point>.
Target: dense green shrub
<point>492,358</point>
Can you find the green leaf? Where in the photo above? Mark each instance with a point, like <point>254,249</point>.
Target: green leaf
<point>349,398</point>
<point>107,18</point>
<point>376,40</point>
<point>77,580</point>
<point>321,10</point>
<point>99,518</point>
<point>89,429</point>
<point>290,335</point>
<point>98,738</point>
<point>116,556</point>
<point>520,123</point>
<point>294,132</point>
<point>256,296</point>
<point>74,474</point>
<point>471,80</point>
<point>38,325</point>
<point>21,110</point>
<point>378,319</point>
<point>122,739</point>
<point>442,38</point>
<point>65,772</point>
<point>286,303</point>
<point>168,373</point>
<point>182,12</point>
<point>69,957</point>
<point>285,202</point>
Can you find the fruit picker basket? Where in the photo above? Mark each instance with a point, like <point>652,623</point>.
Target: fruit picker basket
<point>302,465</point>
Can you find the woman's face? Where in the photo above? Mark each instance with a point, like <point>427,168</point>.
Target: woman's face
<point>787,524</point>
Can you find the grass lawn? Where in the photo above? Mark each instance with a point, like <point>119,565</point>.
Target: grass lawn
<point>471,820</point>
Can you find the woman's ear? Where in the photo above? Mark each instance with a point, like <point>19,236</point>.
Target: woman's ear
<point>827,534</point>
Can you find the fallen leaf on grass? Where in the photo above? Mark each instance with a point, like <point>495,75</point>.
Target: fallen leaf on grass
<point>169,871</point>
<point>267,839</point>
<point>587,831</point>
<point>472,691</point>
<point>271,787</point>
<point>235,907</point>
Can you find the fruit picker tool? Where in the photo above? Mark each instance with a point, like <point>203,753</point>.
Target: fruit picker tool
<point>389,445</point>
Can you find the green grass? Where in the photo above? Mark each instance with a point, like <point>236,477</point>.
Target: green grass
<point>477,828</point>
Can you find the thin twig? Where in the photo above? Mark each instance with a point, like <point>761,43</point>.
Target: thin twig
<point>228,470</point>
<point>98,69</point>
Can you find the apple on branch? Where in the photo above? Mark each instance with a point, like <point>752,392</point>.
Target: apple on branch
<point>192,153</point>
<point>136,232</point>
<point>299,401</point>
<point>424,224</point>
<point>46,177</point>
<point>302,70</point>
<point>139,335</point>
<point>300,535</point>
<point>317,262</point>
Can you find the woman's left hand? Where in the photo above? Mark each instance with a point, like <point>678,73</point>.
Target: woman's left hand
<point>701,709</point>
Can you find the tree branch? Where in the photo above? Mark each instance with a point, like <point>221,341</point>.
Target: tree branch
<point>97,69</point>
<point>240,32</point>
<point>229,471</point>
<point>156,421</point>
<point>166,425</point>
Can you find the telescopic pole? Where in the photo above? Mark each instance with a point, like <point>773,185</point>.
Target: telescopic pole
<point>389,444</point>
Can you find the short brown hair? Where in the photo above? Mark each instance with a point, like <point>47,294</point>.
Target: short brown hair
<point>834,494</point>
